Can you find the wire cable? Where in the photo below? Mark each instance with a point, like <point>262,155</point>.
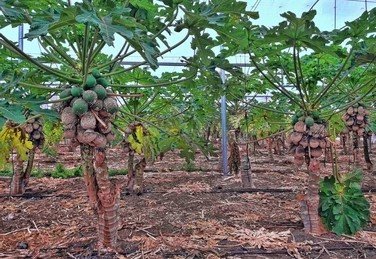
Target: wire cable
<point>313,5</point>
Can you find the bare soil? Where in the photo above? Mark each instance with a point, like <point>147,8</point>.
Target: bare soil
<point>198,214</point>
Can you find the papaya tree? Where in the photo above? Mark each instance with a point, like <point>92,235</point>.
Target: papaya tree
<point>21,117</point>
<point>357,116</point>
<point>25,138</point>
<point>278,55</point>
<point>74,37</point>
<point>167,117</point>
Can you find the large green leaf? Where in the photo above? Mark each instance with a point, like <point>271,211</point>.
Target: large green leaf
<point>66,18</point>
<point>11,14</point>
<point>108,30</point>
<point>50,19</point>
<point>88,16</point>
<point>2,121</point>
<point>13,113</point>
<point>144,4</point>
<point>37,28</point>
<point>343,207</point>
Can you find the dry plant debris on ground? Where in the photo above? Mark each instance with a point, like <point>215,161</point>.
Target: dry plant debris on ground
<point>181,215</point>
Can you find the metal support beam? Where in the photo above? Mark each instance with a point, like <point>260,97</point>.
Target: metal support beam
<point>20,36</point>
<point>224,128</point>
<point>176,64</point>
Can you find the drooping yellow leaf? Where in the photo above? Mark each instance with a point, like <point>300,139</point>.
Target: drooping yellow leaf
<point>135,145</point>
<point>10,139</point>
<point>140,134</point>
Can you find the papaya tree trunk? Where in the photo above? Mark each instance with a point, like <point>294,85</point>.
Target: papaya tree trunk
<point>328,155</point>
<point>87,153</point>
<point>256,145</point>
<point>315,225</point>
<point>279,146</point>
<point>17,185</point>
<point>343,140</point>
<point>103,195</point>
<point>269,144</point>
<point>139,178</point>
<point>108,202</point>
<point>246,176</point>
<point>29,167</point>
<point>355,149</point>
<point>283,140</point>
<point>342,143</point>
<point>366,151</point>
<point>234,158</point>
<point>131,173</point>
<point>20,178</point>
<point>207,133</point>
<point>310,205</point>
<point>369,139</point>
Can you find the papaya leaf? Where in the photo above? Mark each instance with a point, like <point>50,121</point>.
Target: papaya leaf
<point>135,144</point>
<point>108,30</point>
<point>13,113</point>
<point>2,121</point>
<point>139,134</point>
<point>10,14</point>
<point>343,207</point>
<point>88,16</point>
<point>144,4</point>
<point>67,17</point>
<point>41,24</point>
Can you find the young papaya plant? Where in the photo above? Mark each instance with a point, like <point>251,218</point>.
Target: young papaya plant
<point>343,207</point>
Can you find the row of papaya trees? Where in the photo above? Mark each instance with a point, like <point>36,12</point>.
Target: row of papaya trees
<point>311,75</point>
<point>89,88</point>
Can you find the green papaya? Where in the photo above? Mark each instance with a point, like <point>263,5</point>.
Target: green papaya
<point>89,96</point>
<point>77,91</point>
<point>100,91</point>
<point>309,121</point>
<point>66,93</point>
<point>103,82</point>
<point>90,82</point>
<point>96,73</point>
<point>80,107</point>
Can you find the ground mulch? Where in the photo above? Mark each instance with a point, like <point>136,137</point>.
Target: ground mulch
<point>198,214</point>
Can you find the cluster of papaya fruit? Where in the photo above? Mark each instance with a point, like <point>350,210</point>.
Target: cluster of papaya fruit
<point>88,111</point>
<point>308,139</point>
<point>356,119</point>
<point>34,128</point>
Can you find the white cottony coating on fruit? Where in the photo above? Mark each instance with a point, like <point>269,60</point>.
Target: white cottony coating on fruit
<point>100,141</point>
<point>110,105</point>
<point>90,96</point>
<point>88,121</point>
<point>68,116</point>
